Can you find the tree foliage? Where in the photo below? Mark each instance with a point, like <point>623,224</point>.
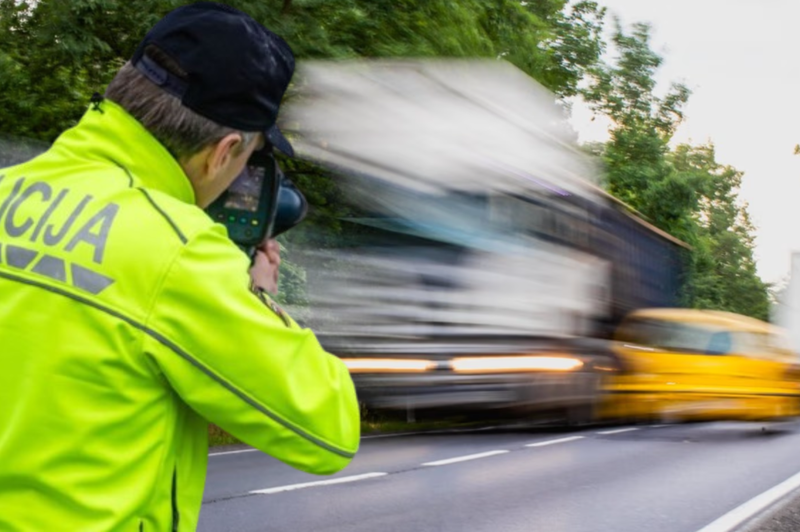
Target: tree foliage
<point>55,54</point>
<point>684,190</point>
<point>638,170</point>
<point>723,268</point>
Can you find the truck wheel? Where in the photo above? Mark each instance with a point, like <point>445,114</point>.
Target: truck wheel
<point>579,416</point>
<point>586,414</point>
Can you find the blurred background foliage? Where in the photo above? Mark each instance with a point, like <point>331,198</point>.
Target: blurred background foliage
<point>55,54</point>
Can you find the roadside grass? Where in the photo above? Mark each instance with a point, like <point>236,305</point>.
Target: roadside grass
<point>372,423</point>
<point>217,437</point>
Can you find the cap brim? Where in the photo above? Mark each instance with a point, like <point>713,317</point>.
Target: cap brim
<point>278,141</point>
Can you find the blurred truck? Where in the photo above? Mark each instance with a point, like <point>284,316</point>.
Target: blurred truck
<point>483,268</point>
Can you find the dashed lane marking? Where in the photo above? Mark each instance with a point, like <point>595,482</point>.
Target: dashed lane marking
<point>233,452</point>
<point>617,431</point>
<point>342,480</point>
<point>553,442</point>
<point>464,458</point>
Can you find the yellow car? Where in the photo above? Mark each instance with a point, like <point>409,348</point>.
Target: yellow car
<point>682,364</point>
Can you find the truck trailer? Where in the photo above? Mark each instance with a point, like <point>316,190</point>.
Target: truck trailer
<point>484,266</point>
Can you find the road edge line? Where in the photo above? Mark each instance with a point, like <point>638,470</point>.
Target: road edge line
<point>750,509</point>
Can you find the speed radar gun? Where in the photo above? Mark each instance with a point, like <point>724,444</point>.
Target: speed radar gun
<point>262,203</point>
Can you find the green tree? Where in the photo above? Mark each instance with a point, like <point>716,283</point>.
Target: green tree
<point>554,41</point>
<point>685,191</point>
<point>637,168</point>
<point>724,272</point>
<point>54,55</point>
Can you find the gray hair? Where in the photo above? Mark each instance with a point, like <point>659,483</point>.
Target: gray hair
<point>182,131</point>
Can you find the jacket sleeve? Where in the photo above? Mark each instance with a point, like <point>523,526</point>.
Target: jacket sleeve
<point>236,362</point>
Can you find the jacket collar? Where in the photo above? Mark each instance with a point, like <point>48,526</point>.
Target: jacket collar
<point>107,133</point>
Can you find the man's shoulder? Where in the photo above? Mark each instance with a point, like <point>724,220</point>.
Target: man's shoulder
<point>170,214</point>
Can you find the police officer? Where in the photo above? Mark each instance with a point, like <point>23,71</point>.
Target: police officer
<point>129,319</point>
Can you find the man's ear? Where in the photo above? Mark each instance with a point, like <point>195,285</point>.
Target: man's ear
<point>203,168</point>
<point>221,153</point>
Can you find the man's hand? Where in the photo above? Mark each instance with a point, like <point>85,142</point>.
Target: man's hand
<point>265,267</point>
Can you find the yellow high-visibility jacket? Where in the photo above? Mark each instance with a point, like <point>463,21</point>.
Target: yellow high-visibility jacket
<point>126,322</point>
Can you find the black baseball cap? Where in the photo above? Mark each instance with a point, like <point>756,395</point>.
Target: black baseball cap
<point>236,70</point>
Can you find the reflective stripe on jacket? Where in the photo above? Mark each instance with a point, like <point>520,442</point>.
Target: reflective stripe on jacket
<point>126,322</point>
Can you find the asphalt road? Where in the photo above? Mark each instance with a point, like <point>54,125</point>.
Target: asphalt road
<point>671,478</point>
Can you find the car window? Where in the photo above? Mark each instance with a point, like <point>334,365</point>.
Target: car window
<point>719,344</point>
<point>676,336</point>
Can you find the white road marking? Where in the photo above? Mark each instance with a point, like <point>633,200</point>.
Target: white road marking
<point>464,458</point>
<point>551,442</point>
<point>746,511</point>
<point>342,480</point>
<point>233,452</point>
<point>617,431</point>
